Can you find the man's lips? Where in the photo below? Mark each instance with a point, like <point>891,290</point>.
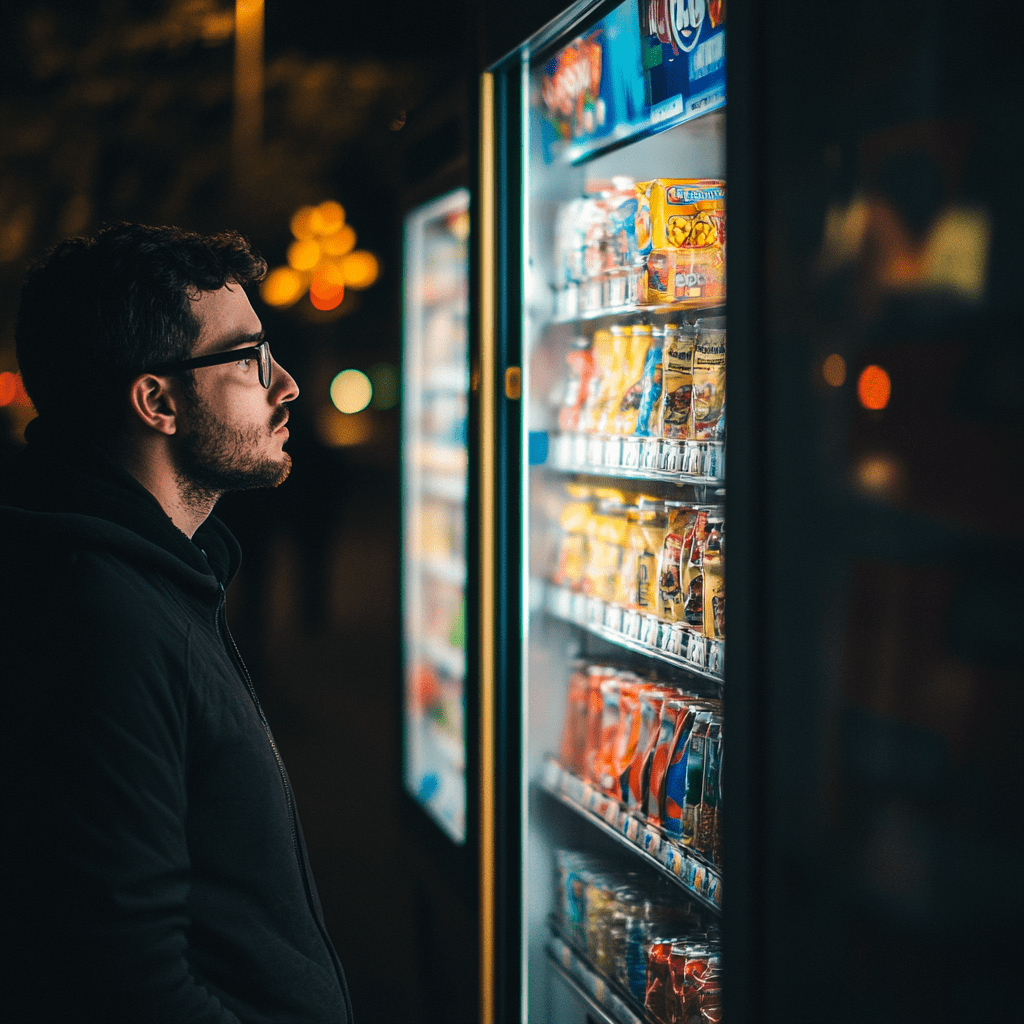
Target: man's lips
<point>280,426</point>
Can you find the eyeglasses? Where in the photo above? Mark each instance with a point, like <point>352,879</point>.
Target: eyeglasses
<point>260,352</point>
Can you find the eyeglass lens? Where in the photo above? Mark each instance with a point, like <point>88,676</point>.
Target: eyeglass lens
<point>265,365</point>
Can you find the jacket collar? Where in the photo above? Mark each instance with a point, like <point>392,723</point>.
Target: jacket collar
<point>59,474</point>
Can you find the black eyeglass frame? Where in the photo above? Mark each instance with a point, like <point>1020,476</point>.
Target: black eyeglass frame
<point>260,352</point>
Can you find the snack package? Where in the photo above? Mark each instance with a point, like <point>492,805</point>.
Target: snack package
<point>681,236</point>
<point>653,527</point>
<point>569,236</point>
<point>680,213</point>
<point>644,539</point>
<point>677,377</point>
<point>618,695</point>
<point>714,581</point>
<point>636,777</point>
<point>674,798</point>
<point>651,386</point>
<point>672,711</point>
<point>580,359</point>
<point>705,825</point>
<point>708,378</point>
<point>693,572</point>
<point>626,737</point>
<point>673,559</point>
<point>606,543</point>
<point>596,675</point>
<point>659,981</point>
<point>574,730</point>
<point>620,212</point>
<point>628,410</point>
<point>573,544</point>
<point>602,358</point>
<point>616,381</point>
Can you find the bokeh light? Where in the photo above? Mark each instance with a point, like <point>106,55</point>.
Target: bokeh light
<point>282,287</point>
<point>327,288</point>
<point>302,222</point>
<point>874,387</point>
<point>384,378</point>
<point>361,269</point>
<point>340,243</point>
<point>328,217</point>
<point>834,370</point>
<point>12,391</point>
<point>351,391</point>
<point>303,254</point>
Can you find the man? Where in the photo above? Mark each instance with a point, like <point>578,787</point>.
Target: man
<point>154,869</point>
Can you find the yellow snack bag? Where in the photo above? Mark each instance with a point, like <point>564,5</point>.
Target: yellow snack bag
<point>672,560</point>
<point>604,358</point>
<point>628,408</point>
<point>573,543</point>
<point>708,377</point>
<point>613,385</point>
<point>677,381</point>
<point>714,581</point>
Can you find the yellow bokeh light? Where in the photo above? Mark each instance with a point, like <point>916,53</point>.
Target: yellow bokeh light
<point>458,224</point>
<point>361,269</point>
<point>331,216</point>
<point>282,286</point>
<point>340,243</point>
<point>303,254</point>
<point>302,222</point>
<point>351,391</point>
<point>834,370</point>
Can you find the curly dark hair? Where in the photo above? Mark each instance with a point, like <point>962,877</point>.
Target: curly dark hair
<point>96,311</point>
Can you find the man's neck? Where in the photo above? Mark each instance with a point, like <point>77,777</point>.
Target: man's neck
<point>187,507</point>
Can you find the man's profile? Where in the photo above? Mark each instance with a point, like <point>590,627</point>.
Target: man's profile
<point>153,864</point>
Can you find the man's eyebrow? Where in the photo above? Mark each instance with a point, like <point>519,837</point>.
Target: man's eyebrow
<point>244,340</point>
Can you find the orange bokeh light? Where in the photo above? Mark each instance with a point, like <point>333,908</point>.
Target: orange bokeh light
<point>12,391</point>
<point>361,269</point>
<point>874,387</point>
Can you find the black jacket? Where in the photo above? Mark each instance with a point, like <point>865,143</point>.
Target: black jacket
<point>153,865</point>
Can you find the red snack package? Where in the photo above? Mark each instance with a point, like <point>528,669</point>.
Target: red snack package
<point>637,773</point>
<point>596,674</point>
<point>659,981</point>
<point>574,731</point>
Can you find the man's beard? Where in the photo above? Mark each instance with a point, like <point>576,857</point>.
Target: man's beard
<point>212,458</point>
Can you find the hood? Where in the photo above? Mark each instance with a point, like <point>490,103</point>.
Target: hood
<point>62,488</point>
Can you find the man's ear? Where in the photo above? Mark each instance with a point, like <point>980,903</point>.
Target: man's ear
<point>154,403</point>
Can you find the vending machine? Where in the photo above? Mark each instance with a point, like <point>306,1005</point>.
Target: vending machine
<point>434,459</point>
<point>605,327</point>
<point>750,276</point>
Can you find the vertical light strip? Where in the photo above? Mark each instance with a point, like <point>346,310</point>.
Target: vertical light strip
<point>247,129</point>
<point>488,549</point>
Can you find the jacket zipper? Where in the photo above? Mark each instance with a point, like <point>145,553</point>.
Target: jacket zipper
<point>232,647</point>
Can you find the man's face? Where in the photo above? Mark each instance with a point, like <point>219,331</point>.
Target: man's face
<point>232,436</point>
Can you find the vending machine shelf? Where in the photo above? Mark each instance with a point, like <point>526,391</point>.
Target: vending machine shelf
<point>604,1003</point>
<point>568,308</point>
<point>697,463</point>
<point>686,868</point>
<point>670,642</point>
